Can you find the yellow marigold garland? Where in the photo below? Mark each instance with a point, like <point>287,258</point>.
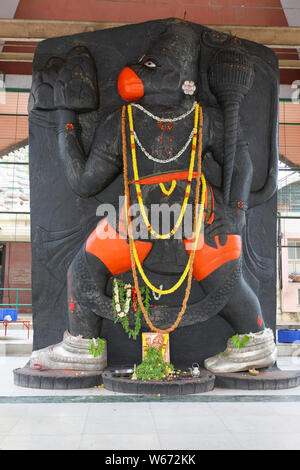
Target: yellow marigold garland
<point>166,191</point>
<point>196,227</point>
<point>138,187</point>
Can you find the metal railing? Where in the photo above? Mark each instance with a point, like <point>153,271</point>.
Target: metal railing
<point>17,303</point>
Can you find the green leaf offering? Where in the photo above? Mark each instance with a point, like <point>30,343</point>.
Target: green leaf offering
<point>153,366</point>
<point>97,350</point>
<point>240,342</point>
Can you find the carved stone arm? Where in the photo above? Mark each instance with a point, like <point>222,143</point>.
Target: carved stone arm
<point>88,176</point>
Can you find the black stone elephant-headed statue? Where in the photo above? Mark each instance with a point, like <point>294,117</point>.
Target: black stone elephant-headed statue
<point>153,171</point>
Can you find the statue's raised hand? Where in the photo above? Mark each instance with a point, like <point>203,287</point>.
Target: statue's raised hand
<point>43,84</point>
<point>76,85</point>
<point>69,83</point>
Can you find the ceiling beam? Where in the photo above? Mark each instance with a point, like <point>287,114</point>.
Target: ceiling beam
<point>271,36</point>
<point>289,64</point>
<point>32,30</point>
<point>16,57</point>
<point>37,30</point>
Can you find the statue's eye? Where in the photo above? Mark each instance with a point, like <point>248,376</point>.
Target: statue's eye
<point>149,63</point>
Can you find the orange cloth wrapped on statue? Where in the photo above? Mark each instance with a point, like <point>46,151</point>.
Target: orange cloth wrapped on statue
<point>112,247</point>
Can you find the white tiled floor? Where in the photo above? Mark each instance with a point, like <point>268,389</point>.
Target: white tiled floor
<point>146,425</point>
<point>16,341</point>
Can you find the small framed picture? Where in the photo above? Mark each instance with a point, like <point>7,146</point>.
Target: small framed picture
<point>156,340</point>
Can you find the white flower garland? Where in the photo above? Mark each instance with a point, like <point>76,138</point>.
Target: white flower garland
<point>155,295</point>
<point>128,287</point>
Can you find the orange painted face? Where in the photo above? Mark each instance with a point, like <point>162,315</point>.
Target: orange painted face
<point>157,78</point>
<point>130,86</point>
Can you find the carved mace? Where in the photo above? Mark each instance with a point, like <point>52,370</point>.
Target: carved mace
<point>231,76</point>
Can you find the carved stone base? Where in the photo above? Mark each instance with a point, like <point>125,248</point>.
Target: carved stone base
<point>205,383</point>
<point>269,379</point>
<point>52,379</point>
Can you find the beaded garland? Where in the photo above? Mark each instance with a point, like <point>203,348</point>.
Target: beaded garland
<point>196,227</point>
<point>165,124</point>
<point>189,263</point>
<point>190,176</point>
<point>162,119</point>
<point>168,160</point>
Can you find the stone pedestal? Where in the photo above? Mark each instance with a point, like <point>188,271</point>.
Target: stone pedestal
<point>52,379</point>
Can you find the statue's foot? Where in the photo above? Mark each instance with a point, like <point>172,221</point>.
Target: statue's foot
<point>259,352</point>
<point>73,353</point>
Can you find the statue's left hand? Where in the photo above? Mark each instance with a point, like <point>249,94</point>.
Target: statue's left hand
<point>228,220</point>
<point>76,85</point>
